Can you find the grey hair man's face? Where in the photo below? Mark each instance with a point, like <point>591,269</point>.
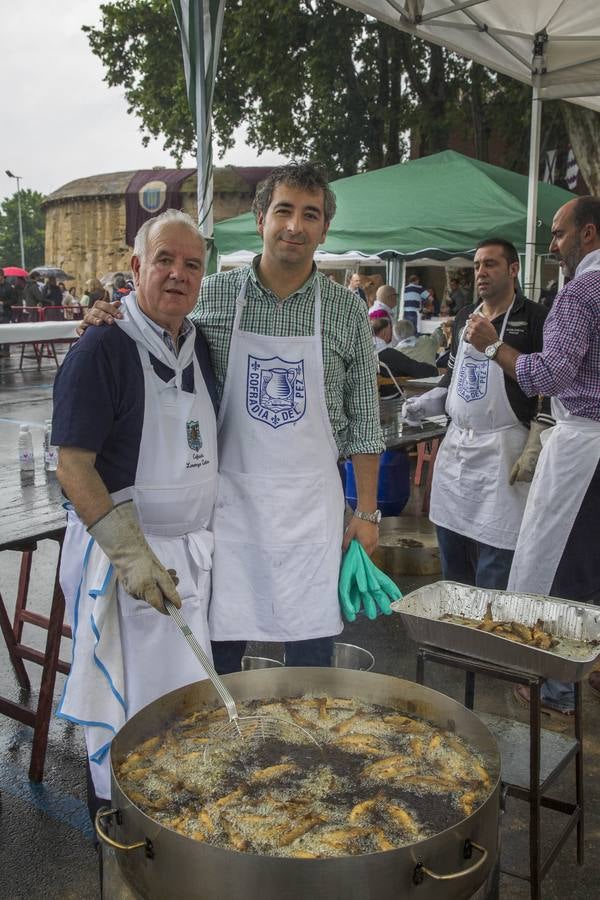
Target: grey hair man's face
<point>168,276</point>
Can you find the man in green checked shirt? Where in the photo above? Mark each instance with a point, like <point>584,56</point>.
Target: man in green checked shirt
<point>293,357</point>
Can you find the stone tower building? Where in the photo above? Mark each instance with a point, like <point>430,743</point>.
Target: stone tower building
<point>85,219</point>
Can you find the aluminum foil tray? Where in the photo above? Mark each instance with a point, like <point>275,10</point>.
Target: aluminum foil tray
<point>575,625</point>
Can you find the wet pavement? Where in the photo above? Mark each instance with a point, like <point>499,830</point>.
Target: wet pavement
<point>46,841</point>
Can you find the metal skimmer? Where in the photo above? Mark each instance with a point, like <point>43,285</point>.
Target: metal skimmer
<point>253,730</point>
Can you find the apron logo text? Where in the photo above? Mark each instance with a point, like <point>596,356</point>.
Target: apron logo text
<point>473,379</point>
<point>275,390</point>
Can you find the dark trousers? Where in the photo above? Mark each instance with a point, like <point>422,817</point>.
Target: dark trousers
<point>471,562</point>
<point>227,655</point>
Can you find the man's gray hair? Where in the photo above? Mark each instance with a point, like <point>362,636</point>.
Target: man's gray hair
<point>404,329</point>
<point>168,217</point>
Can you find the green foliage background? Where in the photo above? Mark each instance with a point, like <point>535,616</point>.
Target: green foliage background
<point>33,230</point>
<point>313,79</point>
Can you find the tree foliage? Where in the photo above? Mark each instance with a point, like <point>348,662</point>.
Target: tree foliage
<point>584,131</point>
<point>33,230</point>
<point>313,79</point>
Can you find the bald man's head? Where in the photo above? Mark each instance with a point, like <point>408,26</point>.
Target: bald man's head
<point>388,295</point>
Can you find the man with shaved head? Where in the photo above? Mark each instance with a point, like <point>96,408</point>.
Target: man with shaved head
<point>560,526</point>
<point>386,300</point>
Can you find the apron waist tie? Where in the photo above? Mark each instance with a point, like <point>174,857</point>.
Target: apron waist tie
<point>200,545</point>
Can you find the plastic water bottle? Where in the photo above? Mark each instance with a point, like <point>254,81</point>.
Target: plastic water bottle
<point>50,451</point>
<point>26,458</point>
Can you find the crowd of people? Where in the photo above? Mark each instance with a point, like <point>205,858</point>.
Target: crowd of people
<point>20,296</point>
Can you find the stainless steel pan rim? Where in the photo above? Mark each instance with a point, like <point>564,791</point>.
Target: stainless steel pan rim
<point>173,862</point>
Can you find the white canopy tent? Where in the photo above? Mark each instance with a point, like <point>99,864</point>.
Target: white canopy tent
<point>553,45</point>
<point>350,261</point>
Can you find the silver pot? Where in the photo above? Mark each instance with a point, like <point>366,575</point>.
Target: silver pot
<point>159,863</point>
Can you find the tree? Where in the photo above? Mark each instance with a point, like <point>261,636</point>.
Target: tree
<point>33,230</point>
<point>309,78</point>
<point>584,132</point>
<point>313,79</point>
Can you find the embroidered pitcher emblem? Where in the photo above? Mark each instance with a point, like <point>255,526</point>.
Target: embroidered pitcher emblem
<point>275,390</point>
<point>194,438</point>
<point>473,379</point>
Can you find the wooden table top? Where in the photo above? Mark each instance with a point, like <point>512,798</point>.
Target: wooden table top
<point>29,512</point>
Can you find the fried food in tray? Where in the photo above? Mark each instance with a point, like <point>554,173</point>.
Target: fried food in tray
<point>383,780</point>
<point>533,636</point>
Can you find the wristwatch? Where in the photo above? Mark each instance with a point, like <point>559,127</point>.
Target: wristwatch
<point>374,517</point>
<point>491,350</point>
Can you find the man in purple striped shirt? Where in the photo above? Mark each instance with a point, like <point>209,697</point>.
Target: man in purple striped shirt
<point>561,524</point>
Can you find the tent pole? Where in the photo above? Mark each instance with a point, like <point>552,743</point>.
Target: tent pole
<point>532,193</point>
<point>401,280</point>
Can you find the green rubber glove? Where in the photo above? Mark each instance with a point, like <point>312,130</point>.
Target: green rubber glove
<point>379,588</point>
<point>362,584</point>
<point>347,590</point>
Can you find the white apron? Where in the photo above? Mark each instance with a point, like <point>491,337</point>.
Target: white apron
<point>279,512</point>
<point>174,491</point>
<point>470,493</point>
<point>569,458</point>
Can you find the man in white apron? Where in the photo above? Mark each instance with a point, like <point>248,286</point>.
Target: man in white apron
<point>479,486</point>
<point>556,551</point>
<point>299,389</point>
<point>134,417</point>
<point>293,358</point>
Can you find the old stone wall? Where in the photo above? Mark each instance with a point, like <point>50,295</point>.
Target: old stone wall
<point>86,237</point>
<point>85,220</point>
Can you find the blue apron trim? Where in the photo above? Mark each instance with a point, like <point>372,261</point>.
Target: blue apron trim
<point>93,594</point>
<point>86,556</point>
<point>100,754</point>
<point>103,668</point>
<point>90,723</point>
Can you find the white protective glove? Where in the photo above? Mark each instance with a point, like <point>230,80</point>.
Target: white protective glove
<point>524,467</point>
<point>141,574</point>
<point>433,403</point>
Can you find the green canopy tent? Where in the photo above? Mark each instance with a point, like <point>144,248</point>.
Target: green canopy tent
<point>437,207</point>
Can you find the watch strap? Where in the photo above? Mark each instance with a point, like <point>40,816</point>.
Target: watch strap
<point>373,517</point>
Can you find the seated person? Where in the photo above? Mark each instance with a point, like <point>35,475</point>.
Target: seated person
<point>423,349</point>
<point>395,362</point>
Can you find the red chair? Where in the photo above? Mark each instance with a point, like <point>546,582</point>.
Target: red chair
<point>426,453</point>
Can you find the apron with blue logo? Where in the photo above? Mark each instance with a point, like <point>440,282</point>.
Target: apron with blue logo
<point>278,523</point>
<point>173,493</point>
<point>470,493</point>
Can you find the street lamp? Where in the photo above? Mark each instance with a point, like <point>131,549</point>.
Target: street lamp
<point>18,179</point>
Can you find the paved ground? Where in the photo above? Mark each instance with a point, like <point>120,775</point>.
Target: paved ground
<point>46,847</point>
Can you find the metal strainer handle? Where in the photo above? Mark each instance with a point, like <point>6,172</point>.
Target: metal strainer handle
<point>203,659</point>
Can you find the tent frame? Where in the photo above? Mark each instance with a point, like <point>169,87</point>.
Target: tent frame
<point>408,16</point>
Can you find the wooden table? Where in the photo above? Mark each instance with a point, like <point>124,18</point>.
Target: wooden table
<point>29,514</point>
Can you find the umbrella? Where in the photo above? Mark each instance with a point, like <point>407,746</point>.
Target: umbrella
<point>109,279</point>
<point>15,272</point>
<point>53,272</point>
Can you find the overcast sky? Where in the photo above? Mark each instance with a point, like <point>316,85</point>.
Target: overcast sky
<point>60,121</point>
